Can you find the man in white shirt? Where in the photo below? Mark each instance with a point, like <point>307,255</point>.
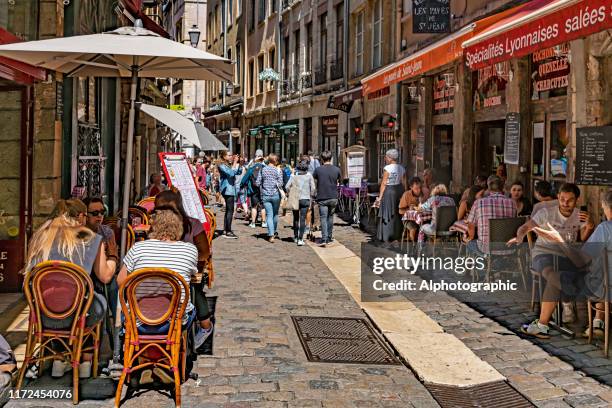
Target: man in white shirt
<point>571,224</point>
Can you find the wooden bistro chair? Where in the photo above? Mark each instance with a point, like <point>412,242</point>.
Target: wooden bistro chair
<point>445,218</point>
<point>114,224</point>
<point>592,303</point>
<point>213,223</point>
<point>152,296</point>
<point>58,290</point>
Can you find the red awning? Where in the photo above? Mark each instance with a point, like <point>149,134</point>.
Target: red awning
<point>438,54</point>
<point>15,70</point>
<point>134,7</point>
<point>538,25</point>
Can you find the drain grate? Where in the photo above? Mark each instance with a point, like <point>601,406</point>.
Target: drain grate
<point>493,395</point>
<point>341,340</point>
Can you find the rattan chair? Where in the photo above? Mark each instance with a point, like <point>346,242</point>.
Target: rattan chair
<point>114,224</point>
<point>204,196</point>
<point>210,215</point>
<point>58,290</point>
<point>152,297</point>
<point>148,204</point>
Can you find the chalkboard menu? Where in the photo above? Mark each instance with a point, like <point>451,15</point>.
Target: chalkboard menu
<point>512,138</point>
<point>430,16</point>
<point>594,156</point>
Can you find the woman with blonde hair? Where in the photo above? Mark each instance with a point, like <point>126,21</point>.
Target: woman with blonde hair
<point>438,198</point>
<point>64,237</point>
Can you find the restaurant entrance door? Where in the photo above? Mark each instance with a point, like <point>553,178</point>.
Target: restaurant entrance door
<point>15,176</point>
<point>443,153</point>
<point>489,147</point>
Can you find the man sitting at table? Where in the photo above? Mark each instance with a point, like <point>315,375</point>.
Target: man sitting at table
<point>495,205</point>
<point>568,221</point>
<point>410,200</point>
<point>543,193</point>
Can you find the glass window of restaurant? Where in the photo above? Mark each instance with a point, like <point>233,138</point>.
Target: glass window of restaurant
<point>489,105</point>
<point>550,70</point>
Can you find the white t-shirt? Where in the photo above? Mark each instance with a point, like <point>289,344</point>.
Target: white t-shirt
<point>396,174</point>
<point>181,257</point>
<point>568,227</point>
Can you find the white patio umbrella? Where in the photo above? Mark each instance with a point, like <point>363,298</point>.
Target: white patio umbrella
<point>175,121</point>
<point>125,52</point>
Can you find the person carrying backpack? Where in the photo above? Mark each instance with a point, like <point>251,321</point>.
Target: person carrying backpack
<point>248,183</point>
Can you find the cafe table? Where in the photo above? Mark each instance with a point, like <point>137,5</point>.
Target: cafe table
<point>420,217</point>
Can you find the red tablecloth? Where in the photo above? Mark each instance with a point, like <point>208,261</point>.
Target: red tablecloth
<point>420,217</point>
<point>459,226</point>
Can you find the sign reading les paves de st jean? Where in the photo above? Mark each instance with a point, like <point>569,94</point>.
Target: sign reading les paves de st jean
<point>430,16</point>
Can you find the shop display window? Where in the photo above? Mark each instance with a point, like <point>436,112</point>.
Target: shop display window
<point>558,148</point>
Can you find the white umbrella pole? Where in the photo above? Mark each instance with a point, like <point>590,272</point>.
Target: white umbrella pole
<point>127,180</point>
<point>126,200</point>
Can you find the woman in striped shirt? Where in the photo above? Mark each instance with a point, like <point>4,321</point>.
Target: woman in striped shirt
<point>270,181</point>
<point>164,249</point>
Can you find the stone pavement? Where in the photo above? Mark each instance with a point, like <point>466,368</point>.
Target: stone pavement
<point>547,380</point>
<point>258,360</point>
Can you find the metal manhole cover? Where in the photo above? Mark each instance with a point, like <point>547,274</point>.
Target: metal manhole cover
<point>493,395</point>
<point>341,340</point>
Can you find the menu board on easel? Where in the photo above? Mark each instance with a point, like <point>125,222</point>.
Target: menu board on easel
<point>179,175</point>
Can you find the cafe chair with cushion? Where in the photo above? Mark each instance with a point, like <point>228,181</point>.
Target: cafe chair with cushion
<point>502,230</point>
<point>151,298</point>
<point>592,303</point>
<point>115,225</point>
<point>148,204</point>
<point>445,218</point>
<point>58,290</point>
<point>212,219</point>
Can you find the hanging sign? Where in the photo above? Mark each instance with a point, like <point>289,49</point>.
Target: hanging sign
<point>179,174</point>
<point>512,140</point>
<point>430,16</point>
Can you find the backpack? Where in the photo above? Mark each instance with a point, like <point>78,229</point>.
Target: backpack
<point>250,177</point>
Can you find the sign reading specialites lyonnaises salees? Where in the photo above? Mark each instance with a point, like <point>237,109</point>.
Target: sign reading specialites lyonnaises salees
<point>569,23</point>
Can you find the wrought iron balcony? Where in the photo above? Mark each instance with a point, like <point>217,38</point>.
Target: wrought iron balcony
<point>320,76</point>
<point>337,70</point>
<point>289,3</point>
<point>306,80</point>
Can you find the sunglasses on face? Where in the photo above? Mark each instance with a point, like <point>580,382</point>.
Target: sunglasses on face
<point>95,213</point>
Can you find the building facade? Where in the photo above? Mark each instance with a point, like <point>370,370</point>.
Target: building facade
<point>482,96</point>
<point>224,102</point>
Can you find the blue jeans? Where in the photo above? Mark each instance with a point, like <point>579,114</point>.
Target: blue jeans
<point>271,204</point>
<point>327,208</point>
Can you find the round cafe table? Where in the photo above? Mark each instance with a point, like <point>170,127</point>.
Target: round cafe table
<point>419,217</point>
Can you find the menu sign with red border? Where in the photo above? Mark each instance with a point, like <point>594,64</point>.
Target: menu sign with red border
<point>179,175</point>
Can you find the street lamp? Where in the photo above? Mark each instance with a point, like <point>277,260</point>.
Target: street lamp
<point>229,89</point>
<point>194,35</point>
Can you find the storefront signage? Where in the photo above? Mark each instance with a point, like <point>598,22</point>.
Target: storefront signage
<point>444,94</point>
<point>176,107</point>
<point>330,125</point>
<point>512,138</point>
<point>550,71</point>
<point>344,101</point>
<point>490,85</point>
<point>569,23</point>
<point>430,16</point>
<point>594,156</point>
